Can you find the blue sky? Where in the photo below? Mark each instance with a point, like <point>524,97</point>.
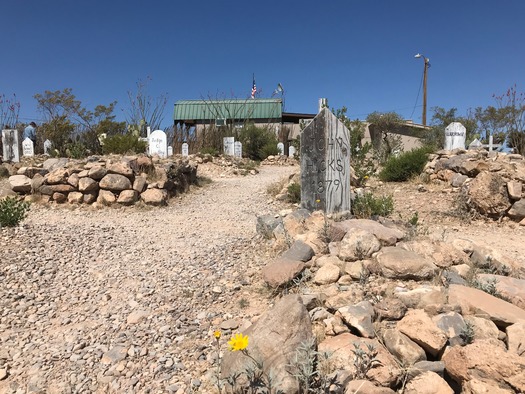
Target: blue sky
<point>358,54</point>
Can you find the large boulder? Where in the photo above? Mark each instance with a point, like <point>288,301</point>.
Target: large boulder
<point>402,347</point>
<point>488,363</point>
<point>156,197</point>
<point>57,176</point>
<point>474,301</point>
<point>420,328</point>
<point>512,289</point>
<point>281,271</point>
<point>20,183</point>
<point>358,244</point>
<point>398,263</point>
<point>299,251</point>
<point>342,347</point>
<point>441,253</point>
<point>115,182</point>
<point>428,383</point>
<point>274,341</point>
<point>86,185</point>
<point>488,194</point>
<point>387,236</point>
<point>517,211</point>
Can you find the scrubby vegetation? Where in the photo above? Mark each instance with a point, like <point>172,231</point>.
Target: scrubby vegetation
<point>368,205</point>
<point>12,211</point>
<point>404,166</point>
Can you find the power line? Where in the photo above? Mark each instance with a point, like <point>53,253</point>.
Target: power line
<point>418,93</point>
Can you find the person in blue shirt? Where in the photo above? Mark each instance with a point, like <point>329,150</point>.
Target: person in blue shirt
<point>30,132</point>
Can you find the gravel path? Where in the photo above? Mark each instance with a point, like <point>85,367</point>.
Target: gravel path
<point>123,300</point>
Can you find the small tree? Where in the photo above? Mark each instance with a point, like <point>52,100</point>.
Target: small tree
<point>382,126</point>
<point>258,142</point>
<point>145,110</point>
<point>512,108</point>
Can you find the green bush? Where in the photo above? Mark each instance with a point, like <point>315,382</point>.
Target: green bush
<point>257,142</point>
<point>294,193</point>
<point>366,206</point>
<point>12,211</point>
<point>210,150</point>
<point>406,165</point>
<point>123,143</point>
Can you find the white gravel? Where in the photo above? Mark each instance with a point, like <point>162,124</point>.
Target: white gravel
<point>122,300</point>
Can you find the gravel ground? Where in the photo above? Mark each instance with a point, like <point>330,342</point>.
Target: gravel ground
<point>123,299</point>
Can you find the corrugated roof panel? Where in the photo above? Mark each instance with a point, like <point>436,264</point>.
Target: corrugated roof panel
<point>227,109</point>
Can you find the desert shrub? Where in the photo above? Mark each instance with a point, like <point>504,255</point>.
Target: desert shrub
<point>4,172</point>
<point>404,166</point>
<point>210,150</point>
<point>12,211</point>
<point>368,205</point>
<point>123,143</point>
<point>294,192</point>
<point>257,142</point>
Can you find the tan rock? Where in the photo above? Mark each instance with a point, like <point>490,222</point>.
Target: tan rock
<point>428,383</point>
<point>402,347</point>
<point>516,338</point>
<point>420,328</point>
<point>397,263</point>
<point>474,301</point>
<point>483,328</point>
<point>327,274</point>
<point>62,188</point>
<point>115,182</point>
<point>475,386</point>
<point>57,176</point>
<point>488,194</point>
<point>488,363</point>
<point>359,317</point>
<point>281,271</point>
<point>97,172</point>
<point>390,309</point>
<point>334,260</point>
<point>387,236</point>
<point>20,183</point>
<point>75,198</point>
<point>342,349</point>
<point>443,255</point>
<point>140,183</point>
<point>358,244</point>
<point>121,168</point>
<point>73,180</point>
<point>512,289</point>
<point>365,387</point>
<point>155,197</point>
<point>128,197</point>
<point>515,189</point>
<point>105,197</point>
<point>87,185</point>
<point>355,269</point>
<point>59,198</point>
<point>334,325</point>
<point>90,198</point>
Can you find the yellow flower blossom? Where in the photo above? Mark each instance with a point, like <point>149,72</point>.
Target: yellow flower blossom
<point>317,201</point>
<point>217,334</point>
<point>238,342</point>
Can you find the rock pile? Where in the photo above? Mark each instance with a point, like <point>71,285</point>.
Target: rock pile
<point>107,180</point>
<point>279,160</point>
<point>492,181</point>
<point>420,307</point>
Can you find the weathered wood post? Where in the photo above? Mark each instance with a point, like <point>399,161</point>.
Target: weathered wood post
<point>325,164</point>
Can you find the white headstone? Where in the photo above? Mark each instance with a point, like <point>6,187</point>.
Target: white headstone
<point>237,147</point>
<point>47,146</point>
<point>10,144</point>
<point>291,151</point>
<point>229,147</point>
<point>476,144</point>
<point>157,144</point>
<point>280,146</point>
<point>455,135</point>
<point>185,149</point>
<point>170,150</point>
<point>28,148</point>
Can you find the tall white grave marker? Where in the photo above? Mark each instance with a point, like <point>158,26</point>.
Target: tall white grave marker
<point>185,149</point>
<point>10,144</point>
<point>158,144</point>
<point>28,148</point>
<point>280,146</point>
<point>455,135</point>
<point>291,151</point>
<point>47,146</point>
<point>237,147</point>
<point>229,147</point>
<point>170,151</point>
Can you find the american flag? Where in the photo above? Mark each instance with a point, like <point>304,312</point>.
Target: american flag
<point>254,88</point>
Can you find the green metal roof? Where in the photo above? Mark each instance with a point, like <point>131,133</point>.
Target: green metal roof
<point>236,109</point>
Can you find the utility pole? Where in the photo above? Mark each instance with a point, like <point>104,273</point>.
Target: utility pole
<point>425,72</point>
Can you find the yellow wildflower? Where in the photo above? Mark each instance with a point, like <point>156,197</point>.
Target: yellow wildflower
<point>217,334</point>
<point>238,342</point>
<point>317,201</point>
